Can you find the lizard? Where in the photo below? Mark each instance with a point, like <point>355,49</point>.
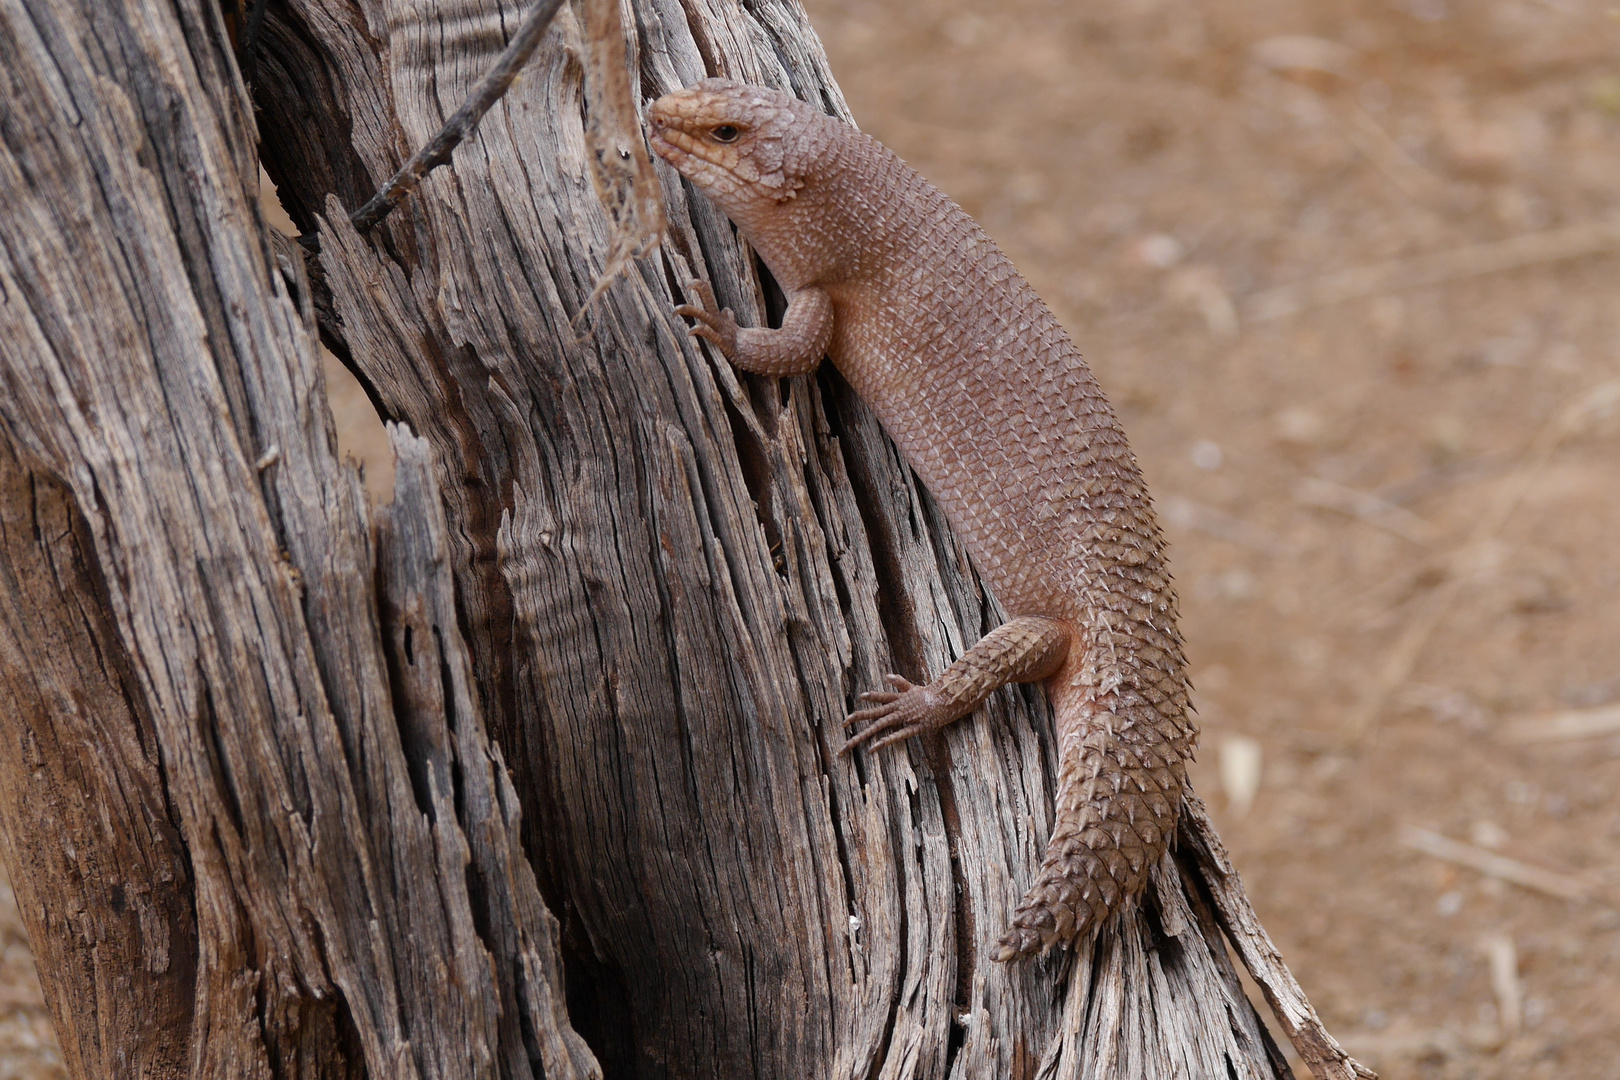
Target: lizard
<point>993,408</point>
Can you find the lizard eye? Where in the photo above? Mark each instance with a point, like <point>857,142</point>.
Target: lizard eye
<point>724,133</point>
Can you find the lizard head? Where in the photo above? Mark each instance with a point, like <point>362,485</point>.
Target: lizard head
<point>732,140</point>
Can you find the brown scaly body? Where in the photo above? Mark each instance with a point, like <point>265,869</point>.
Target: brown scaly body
<point>991,404</point>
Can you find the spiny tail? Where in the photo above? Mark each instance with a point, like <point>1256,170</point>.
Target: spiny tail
<point>1120,786</point>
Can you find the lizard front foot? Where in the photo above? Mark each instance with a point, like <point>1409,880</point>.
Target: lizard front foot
<point>714,323</point>
<point>909,710</point>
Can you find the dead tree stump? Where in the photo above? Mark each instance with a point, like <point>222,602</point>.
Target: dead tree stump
<point>252,813</point>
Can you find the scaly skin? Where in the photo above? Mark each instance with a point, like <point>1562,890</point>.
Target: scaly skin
<point>992,406</point>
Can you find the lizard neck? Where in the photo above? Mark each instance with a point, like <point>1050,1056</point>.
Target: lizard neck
<point>831,230</point>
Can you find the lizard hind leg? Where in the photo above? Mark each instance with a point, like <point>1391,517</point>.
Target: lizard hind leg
<point>1026,649</point>
<point>1117,806</point>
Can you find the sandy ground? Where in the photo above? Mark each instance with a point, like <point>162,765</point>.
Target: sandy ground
<point>1394,515</point>
<point>1348,271</point>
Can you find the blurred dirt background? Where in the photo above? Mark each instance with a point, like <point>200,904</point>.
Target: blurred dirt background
<point>1348,271</point>
<point>1395,516</point>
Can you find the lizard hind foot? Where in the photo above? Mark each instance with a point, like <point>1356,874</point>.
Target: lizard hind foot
<point>897,715</point>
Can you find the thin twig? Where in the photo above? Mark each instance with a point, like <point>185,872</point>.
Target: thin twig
<point>1370,139</point>
<point>1562,727</point>
<point>1437,478</point>
<point>1185,513</point>
<point>1315,491</point>
<point>1474,260</point>
<point>1563,886</point>
<point>464,122</point>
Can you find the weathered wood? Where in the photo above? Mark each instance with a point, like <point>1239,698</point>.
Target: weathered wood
<point>674,580</point>
<point>177,521</point>
<point>252,786</point>
<point>502,940</point>
<point>96,861</point>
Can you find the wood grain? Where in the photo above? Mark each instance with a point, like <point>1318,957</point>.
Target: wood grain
<point>675,579</point>
<point>266,747</point>
<point>165,422</point>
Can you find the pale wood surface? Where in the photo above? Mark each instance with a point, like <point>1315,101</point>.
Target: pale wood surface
<point>223,859</point>
<point>658,585</point>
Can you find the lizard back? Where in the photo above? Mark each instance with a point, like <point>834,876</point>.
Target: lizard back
<point>992,405</point>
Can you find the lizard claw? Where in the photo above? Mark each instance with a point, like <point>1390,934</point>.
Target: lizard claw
<point>897,716</point>
<point>714,323</point>
<point>880,699</point>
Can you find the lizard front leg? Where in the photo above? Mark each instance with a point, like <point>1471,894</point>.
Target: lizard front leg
<point>795,349</point>
<point>1025,649</point>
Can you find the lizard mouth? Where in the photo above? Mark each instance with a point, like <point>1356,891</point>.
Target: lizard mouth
<point>690,155</point>
<point>670,143</point>
<point>707,166</point>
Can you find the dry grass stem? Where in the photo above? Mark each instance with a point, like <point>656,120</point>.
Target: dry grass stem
<point>1326,495</point>
<point>1185,513</point>
<point>1386,155</point>
<point>1564,726</point>
<point>620,168</point>
<point>1472,260</point>
<point>1551,882</point>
